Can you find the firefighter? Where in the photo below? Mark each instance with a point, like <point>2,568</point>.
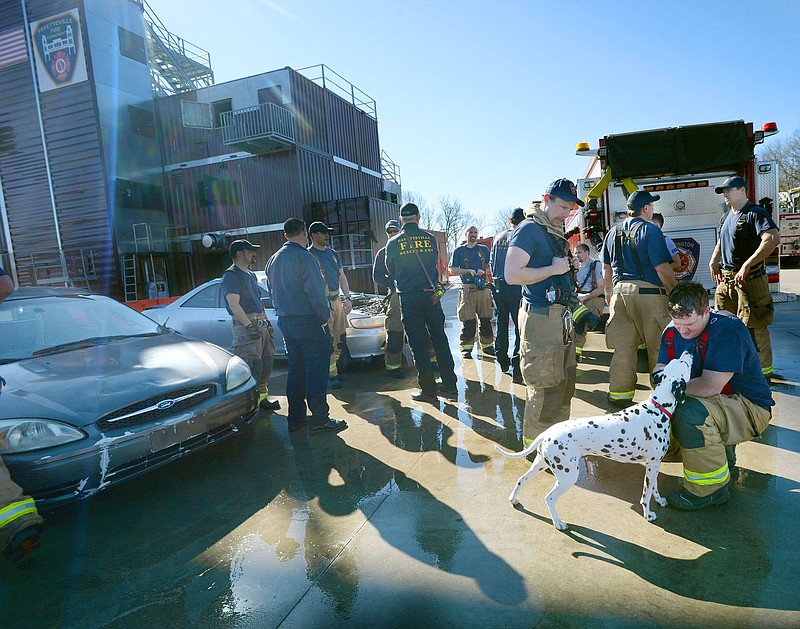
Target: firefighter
<point>333,272</point>
<point>301,302</point>
<point>252,330</point>
<point>20,522</point>
<point>393,351</point>
<point>728,398</point>
<point>506,298</point>
<point>747,235</point>
<point>471,261</point>
<point>411,258</point>
<point>638,278</point>
<point>591,291</point>
<point>538,261</point>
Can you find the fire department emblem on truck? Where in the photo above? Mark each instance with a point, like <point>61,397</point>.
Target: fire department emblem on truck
<point>689,254</point>
<point>57,40</point>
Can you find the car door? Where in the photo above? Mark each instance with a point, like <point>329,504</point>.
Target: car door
<point>204,316</point>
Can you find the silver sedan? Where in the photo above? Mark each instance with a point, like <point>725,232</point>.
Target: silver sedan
<point>201,314</point>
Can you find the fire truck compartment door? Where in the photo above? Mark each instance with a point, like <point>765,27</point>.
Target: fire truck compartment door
<point>706,238</point>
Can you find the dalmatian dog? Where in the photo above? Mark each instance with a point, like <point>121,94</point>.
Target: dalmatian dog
<point>637,434</point>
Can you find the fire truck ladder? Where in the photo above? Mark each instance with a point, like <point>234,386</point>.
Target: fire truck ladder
<point>175,64</point>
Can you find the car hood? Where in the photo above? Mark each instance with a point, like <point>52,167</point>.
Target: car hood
<point>80,386</point>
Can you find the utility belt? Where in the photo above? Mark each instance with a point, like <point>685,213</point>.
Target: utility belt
<point>540,310</point>
<point>642,290</point>
<point>469,287</point>
<point>563,312</point>
<point>333,295</point>
<point>729,274</point>
<point>259,318</point>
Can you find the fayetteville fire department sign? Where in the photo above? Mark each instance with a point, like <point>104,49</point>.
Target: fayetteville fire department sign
<point>59,54</point>
<point>689,254</point>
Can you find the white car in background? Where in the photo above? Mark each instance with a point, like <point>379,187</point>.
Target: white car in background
<point>201,314</point>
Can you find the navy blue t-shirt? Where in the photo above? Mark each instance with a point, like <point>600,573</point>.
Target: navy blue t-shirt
<point>411,259</point>
<point>730,348</point>
<point>497,258</point>
<point>330,264</point>
<point>542,247</point>
<point>756,221</point>
<point>242,283</point>
<point>475,258</point>
<point>650,247</point>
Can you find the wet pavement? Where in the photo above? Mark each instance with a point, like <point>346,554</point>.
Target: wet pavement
<point>403,520</point>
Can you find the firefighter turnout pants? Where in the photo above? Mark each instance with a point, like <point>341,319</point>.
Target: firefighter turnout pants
<point>597,306</point>
<point>702,427</point>
<point>752,303</point>
<point>17,511</point>
<point>259,354</point>
<point>338,326</point>
<point>395,333</point>
<point>471,303</point>
<point>547,360</point>
<point>638,313</point>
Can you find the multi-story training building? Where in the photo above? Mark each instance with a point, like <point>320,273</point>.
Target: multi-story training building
<point>125,168</point>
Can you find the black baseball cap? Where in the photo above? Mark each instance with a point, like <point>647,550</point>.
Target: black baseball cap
<point>518,215</point>
<point>409,209</point>
<point>564,189</point>
<point>731,182</point>
<point>242,245</point>
<point>318,227</point>
<point>393,224</point>
<point>640,198</point>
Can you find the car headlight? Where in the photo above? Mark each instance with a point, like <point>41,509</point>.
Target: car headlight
<point>24,435</point>
<point>363,323</point>
<point>236,373</point>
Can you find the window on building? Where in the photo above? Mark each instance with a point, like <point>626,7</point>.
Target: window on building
<point>197,115</point>
<point>131,45</point>
<point>142,122</point>
<point>214,192</point>
<point>220,107</point>
<point>272,94</point>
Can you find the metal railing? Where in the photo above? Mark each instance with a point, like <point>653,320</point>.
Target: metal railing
<point>176,64</point>
<point>389,170</point>
<point>261,121</point>
<point>336,83</point>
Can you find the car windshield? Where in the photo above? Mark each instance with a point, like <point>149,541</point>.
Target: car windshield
<point>50,324</point>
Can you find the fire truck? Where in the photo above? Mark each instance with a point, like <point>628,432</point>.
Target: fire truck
<point>683,165</point>
<point>790,228</point>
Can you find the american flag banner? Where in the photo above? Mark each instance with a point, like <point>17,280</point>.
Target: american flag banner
<point>13,48</point>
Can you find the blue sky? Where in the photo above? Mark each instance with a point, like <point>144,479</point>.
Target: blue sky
<point>485,101</point>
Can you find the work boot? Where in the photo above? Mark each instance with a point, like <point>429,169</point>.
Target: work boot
<point>516,374</point>
<point>395,373</point>
<point>503,362</point>
<point>686,501</point>
<point>23,543</point>
<point>425,396</point>
<point>488,351</point>
<point>267,405</point>
<point>333,383</point>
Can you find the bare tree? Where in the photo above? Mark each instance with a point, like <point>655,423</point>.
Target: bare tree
<point>499,222</point>
<point>427,216</point>
<point>787,153</point>
<point>453,220</point>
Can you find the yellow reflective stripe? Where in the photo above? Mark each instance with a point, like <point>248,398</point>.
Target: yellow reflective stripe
<point>526,441</point>
<point>641,346</point>
<point>621,395</point>
<point>466,346</point>
<point>578,350</point>
<point>16,510</point>
<point>485,345</point>
<point>708,478</point>
<point>766,370</point>
<point>578,312</point>
<point>393,366</point>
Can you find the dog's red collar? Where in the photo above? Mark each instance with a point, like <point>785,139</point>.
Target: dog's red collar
<point>660,408</point>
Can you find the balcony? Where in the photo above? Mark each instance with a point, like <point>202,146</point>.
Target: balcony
<point>265,128</point>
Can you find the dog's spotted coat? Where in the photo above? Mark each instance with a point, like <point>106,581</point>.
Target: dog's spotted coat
<point>638,434</point>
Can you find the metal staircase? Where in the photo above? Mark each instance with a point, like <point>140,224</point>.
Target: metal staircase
<point>175,64</point>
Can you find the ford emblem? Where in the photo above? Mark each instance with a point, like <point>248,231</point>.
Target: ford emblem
<point>165,404</point>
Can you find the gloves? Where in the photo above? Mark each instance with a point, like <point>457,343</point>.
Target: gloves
<point>254,331</point>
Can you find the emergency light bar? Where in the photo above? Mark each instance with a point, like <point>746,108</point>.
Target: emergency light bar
<point>683,185</point>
